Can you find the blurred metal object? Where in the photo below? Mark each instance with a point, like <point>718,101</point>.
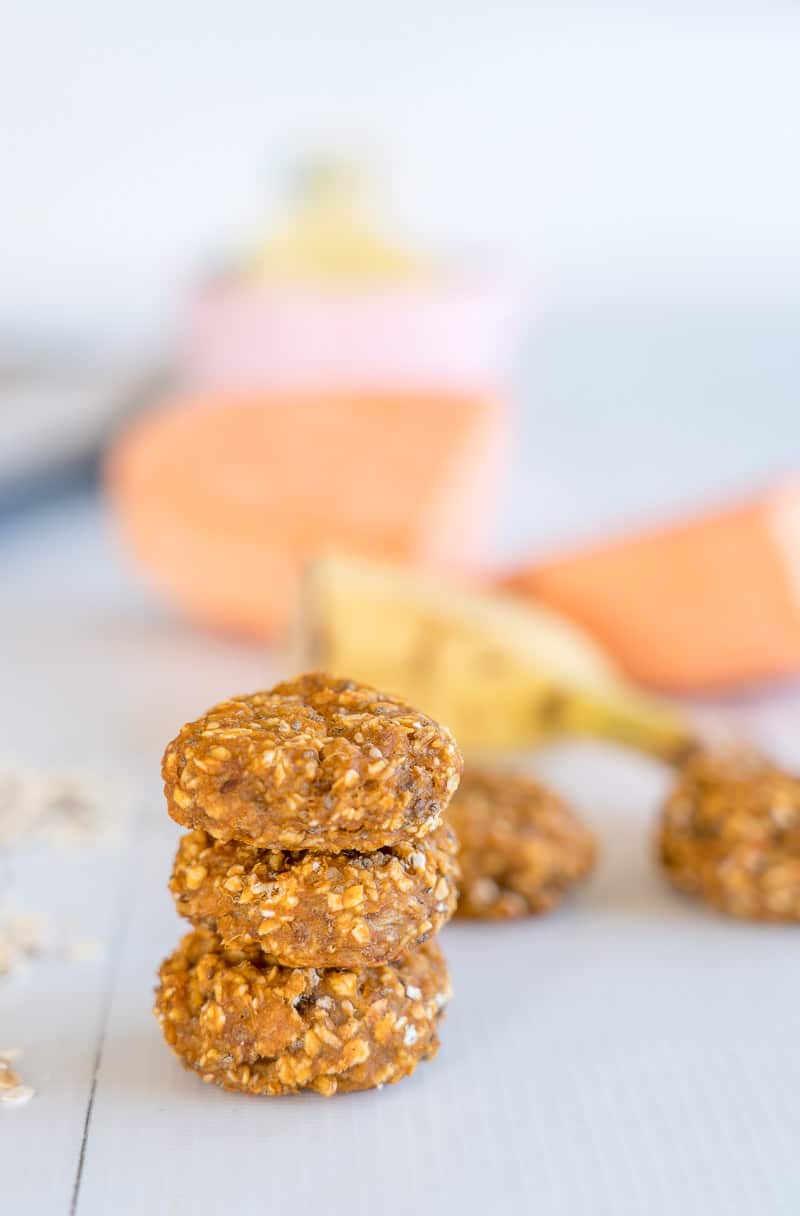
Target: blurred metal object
<point>56,413</point>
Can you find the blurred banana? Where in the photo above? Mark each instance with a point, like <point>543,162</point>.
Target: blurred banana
<point>503,676</point>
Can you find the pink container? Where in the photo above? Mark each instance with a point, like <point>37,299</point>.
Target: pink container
<point>454,334</point>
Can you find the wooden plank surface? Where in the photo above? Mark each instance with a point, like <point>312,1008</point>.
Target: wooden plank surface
<point>628,1054</point>
<point>55,1012</point>
<point>632,1053</point>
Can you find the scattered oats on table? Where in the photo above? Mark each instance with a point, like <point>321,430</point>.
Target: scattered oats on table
<point>83,949</point>
<point>22,938</point>
<point>12,1091</point>
<point>58,809</point>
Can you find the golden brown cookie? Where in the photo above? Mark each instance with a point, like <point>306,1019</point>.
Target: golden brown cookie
<point>316,763</point>
<point>312,910</point>
<point>249,1025</point>
<point>520,845</point>
<point>730,833</point>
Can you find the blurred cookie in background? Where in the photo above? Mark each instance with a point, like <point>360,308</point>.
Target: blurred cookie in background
<point>521,847</point>
<point>730,834</point>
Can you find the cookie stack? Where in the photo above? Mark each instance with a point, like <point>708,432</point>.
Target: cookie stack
<point>316,872</point>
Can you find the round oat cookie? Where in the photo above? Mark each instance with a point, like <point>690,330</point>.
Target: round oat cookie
<point>246,1024</point>
<point>311,910</point>
<point>316,763</point>
<point>730,833</point>
<point>520,845</point>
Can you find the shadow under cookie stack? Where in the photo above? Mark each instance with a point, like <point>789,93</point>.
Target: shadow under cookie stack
<point>316,873</point>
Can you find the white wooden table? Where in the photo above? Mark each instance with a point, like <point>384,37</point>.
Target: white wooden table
<point>630,1054</point>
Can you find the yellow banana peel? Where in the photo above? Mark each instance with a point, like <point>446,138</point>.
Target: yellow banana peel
<point>503,676</point>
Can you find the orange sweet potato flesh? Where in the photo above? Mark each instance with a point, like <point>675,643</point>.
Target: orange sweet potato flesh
<point>223,499</point>
<point>706,605</point>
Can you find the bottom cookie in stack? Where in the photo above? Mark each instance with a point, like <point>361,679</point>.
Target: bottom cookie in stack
<point>246,1024</point>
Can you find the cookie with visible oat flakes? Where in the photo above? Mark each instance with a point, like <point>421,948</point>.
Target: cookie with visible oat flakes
<point>246,1024</point>
<point>730,834</point>
<point>317,763</point>
<point>520,845</point>
<point>312,910</point>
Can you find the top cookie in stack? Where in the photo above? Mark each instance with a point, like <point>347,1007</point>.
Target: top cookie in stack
<point>315,811</point>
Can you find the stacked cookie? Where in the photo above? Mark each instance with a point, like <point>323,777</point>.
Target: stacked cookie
<point>316,873</point>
